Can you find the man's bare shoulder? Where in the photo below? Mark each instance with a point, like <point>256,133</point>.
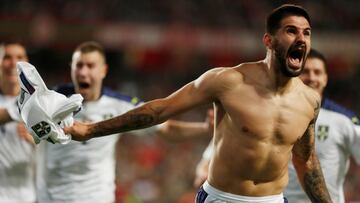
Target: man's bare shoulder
<point>221,77</point>
<point>250,66</point>
<point>312,96</point>
<point>236,73</point>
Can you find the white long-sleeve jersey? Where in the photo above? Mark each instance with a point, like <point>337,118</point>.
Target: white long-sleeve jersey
<point>81,172</point>
<point>336,140</point>
<point>17,181</point>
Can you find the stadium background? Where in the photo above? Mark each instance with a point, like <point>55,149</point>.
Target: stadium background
<point>155,47</point>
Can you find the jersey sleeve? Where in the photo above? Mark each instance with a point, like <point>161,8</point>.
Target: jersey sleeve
<point>353,140</point>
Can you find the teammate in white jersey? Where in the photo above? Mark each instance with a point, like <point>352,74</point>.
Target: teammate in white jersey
<point>85,171</point>
<point>16,150</point>
<point>336,136</point>
<point>336,139</point>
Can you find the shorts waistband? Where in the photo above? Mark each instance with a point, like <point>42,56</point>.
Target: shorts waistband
<point>239,198</point>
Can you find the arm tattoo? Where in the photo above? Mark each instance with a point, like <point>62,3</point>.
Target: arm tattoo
<point>135,119</point>
<point>316,112</point>
<point>313,179</point>
<point>314,185</point>
<point>306,146</point>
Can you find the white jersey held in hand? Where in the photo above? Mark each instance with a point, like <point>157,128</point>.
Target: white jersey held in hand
<point>44,111</point>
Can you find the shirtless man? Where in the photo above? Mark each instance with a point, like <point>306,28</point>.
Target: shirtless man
<point>336,138</point>
<point>264,116</point>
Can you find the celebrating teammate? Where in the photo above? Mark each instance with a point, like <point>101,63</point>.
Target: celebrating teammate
<point>85,172</point>
<point>336,136</point>
<point>16,145</point>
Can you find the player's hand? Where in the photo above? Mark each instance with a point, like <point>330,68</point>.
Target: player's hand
<point>23,133</point>
<point>79,131</point>
<point>4,116</point>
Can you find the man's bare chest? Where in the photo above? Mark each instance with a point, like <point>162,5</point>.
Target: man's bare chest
<point>268,116</point>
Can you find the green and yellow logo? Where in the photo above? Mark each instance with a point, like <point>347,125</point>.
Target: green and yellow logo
<point>322,132</point>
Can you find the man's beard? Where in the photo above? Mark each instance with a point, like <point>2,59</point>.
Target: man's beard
<point>281,56</point>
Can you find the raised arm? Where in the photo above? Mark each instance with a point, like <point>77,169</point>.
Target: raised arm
<point>6,116</point>
<point>173,130</point>
<point>201,91</point>
<point>307,165</point>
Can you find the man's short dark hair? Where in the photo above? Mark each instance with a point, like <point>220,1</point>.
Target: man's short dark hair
<point>91,46</point>
<point>275,17</point>
<point>317,55</point>
<point>11,41</point>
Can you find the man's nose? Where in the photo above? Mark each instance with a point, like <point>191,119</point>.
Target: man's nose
<point>300,38</point>
<point>312,76</point>
<point>83,70</point>
<point>13,62</point>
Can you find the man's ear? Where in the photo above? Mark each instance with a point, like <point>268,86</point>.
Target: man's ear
<point>105,70</point>
<point>267,40</point>
<point>326,79</point>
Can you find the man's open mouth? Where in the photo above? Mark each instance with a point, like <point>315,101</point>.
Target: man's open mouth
<point>296,57</point>
<point>12,72</point>
<point>84,85</point>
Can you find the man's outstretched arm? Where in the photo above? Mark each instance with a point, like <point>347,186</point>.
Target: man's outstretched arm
<point>308,167</point>
<point>138,118</point>
<point>201,91</point>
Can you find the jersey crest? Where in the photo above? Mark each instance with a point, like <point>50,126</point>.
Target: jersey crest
<point>41,129</point>
<point>322,132</point>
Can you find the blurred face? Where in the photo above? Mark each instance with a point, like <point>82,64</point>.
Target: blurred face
<point>87,72</point>
<point>291,44</point>
<point>314,74</point>
<point>12,54</point>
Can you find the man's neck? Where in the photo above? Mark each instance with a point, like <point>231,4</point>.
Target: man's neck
<point>278,81</point>
<point>10,89</point>
<point>93,97</point>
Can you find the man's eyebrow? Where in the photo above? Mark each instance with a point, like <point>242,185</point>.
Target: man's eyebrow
<point>295,27</point>
<point>290,26</point>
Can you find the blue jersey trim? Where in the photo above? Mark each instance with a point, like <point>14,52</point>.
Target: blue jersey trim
<point>333,106</point>
<point>26,83</point>
<point>68,89</point>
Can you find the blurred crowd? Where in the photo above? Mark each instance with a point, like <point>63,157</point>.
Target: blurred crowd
<point>150,169</point>
<point>326,14</point>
